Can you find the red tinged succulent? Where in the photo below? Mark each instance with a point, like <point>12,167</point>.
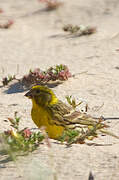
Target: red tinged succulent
<point>59,72</point>
<point>27,133</point>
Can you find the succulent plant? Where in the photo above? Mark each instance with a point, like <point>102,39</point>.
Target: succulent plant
<point>59,72</point>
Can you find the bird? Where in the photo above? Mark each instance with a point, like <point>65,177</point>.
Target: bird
<point>53,114</point>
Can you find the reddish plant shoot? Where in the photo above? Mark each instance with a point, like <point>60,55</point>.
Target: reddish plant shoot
<point>59,72</point>
<point>51,4</point>
<point>7,24</point>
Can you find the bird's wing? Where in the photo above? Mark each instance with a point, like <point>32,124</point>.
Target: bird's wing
<point>57,112</point>
<point>63,115</point>
<point>60,108</point>
<point>77,118</point>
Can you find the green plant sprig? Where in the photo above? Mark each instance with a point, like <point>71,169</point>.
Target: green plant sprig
<point>72,102</point>
<point>19,142</point>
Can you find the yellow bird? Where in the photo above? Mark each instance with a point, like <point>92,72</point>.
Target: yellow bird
<point>53,114</point>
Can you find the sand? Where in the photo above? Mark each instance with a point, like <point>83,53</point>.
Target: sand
<point>36,40</point>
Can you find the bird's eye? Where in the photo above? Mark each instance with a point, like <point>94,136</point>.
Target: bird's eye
<point>37,91</point>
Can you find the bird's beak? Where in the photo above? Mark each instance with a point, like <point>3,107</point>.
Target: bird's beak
<point>29,94</point>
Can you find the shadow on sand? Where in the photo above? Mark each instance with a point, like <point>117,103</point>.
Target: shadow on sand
<point>18,87</point>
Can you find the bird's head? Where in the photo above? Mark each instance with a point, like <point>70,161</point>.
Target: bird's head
<point>42,95</point>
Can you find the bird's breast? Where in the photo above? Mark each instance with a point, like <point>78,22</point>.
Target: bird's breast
<point>41,117</point>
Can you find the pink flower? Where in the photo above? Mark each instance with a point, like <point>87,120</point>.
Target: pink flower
<point>27,133</point>
<point>8,132</point>
<point>1,11</point>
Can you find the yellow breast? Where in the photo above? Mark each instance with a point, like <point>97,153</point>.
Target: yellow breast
<point>41,117</point>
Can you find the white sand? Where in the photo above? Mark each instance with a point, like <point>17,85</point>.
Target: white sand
<point>35,40</point>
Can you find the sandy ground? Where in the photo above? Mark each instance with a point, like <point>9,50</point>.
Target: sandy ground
<point>35,40</point>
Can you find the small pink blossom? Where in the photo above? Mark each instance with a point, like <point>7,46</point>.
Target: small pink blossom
<point>27,133</point>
